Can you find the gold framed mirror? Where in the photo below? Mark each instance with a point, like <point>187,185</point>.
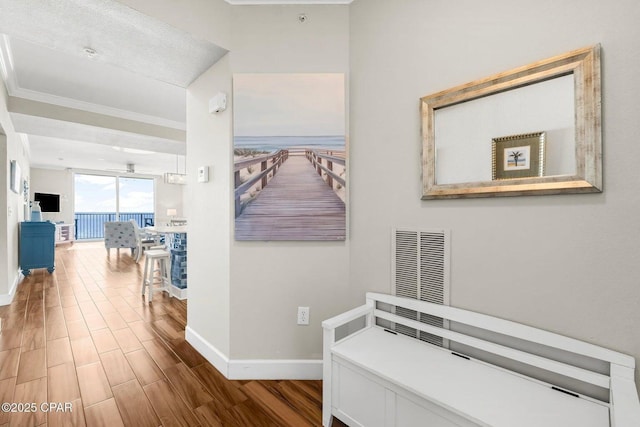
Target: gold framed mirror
<point>558,98</point>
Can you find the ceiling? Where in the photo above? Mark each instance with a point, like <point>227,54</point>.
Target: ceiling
<point>86,76</point>
<point>95,84</point>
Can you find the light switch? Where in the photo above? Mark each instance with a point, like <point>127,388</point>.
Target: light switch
<point>203,174</point>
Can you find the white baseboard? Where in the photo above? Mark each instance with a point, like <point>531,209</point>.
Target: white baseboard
<point>218,359</point>
<point>275,369</point>
<point>259,369</point>
<point>179,292</point>
<point>6,299</point>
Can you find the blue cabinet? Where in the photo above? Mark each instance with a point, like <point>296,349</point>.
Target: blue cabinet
<point>37,246</point>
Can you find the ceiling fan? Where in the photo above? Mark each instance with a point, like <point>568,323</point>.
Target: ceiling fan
<point>130,168</point>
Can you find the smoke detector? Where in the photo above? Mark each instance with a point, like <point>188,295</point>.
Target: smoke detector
<point>90,52</point>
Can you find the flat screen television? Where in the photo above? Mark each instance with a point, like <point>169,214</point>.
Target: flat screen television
<point>48,202</point>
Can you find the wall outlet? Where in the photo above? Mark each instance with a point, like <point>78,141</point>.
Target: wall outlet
<point>303,315</point>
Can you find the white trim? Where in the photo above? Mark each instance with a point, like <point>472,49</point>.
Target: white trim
<point>76,104</point>
<point>6,299</point>
<point>218,359</point>
<point>259,369</point>
<point>263,369</point>
<point>179,293</point>
<point>508,328</point>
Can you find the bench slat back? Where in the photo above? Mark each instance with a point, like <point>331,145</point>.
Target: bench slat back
<point>508,328</point>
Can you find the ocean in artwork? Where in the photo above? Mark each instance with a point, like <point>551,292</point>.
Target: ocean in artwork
<point>274,143</point>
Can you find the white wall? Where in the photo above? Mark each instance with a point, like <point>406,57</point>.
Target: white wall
<point>269,280</point>
<point>55,181</point>
<point>209,210</point>
<point>168,196</point>
<point>578,254</point>
<point>243,296</point>
<point>16,150</point>
<point>11,204</point>
<point>581,251</point>
<point>5,285</point>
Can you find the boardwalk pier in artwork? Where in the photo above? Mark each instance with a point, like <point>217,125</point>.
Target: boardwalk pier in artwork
<point>296,204</point>
<point>266,171</point>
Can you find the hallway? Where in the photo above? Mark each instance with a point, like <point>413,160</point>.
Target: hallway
<point>83,335</point>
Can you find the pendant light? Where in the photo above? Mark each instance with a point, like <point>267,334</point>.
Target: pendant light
<point>176,178</point>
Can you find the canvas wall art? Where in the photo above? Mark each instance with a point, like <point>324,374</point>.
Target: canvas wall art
<point>290,157</point>
<point>15,181</point>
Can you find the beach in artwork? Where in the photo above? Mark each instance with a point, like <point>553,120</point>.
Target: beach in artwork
<point>289,157</point>
<point>251,147</point>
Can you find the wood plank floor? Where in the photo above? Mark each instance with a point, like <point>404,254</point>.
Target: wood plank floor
<point>84,335</point>
<point>296,205</point>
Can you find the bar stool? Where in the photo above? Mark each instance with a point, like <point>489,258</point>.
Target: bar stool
<point>149,277</point>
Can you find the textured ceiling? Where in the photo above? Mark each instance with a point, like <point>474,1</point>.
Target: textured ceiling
<point>43,74</point>
<point>121,36</point>
<point>138,74</point>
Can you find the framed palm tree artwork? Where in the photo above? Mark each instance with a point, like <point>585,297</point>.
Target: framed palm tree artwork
<point>518,156</point>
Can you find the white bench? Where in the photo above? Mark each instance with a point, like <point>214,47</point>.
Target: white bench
<point>377,377</point>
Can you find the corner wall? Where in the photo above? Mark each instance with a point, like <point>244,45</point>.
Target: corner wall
<point>11,204</point>
<point>56,181</point>
<point>243,296</point>
<point>6,294</point>
<point>168,196</point>
<point>210,213</point>
<point>269,280</point>
<point>577,254</point>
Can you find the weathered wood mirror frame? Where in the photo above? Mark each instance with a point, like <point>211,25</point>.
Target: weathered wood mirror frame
<point>584,65</point>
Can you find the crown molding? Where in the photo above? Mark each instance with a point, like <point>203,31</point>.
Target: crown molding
<point>61,101</point>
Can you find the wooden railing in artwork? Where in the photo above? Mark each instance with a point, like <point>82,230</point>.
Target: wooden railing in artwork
<point>316,158</point>
<point>276,159</point>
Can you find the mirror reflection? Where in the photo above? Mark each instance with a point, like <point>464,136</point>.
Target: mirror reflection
<point>463,153</point>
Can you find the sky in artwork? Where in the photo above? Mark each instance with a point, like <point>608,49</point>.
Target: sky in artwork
<point>288,104</point>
